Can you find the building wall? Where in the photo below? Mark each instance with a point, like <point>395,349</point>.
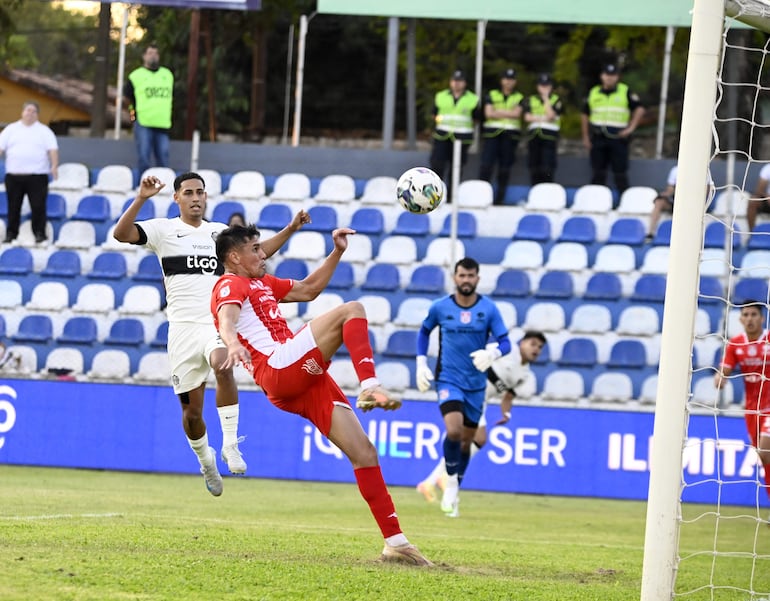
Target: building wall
<point>13,96</point>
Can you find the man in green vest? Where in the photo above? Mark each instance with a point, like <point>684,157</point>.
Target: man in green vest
<point>455,111</point>
<point>150,94</point>
<point>501,132</point>
<point>542,113</point>
<point>611,113</point>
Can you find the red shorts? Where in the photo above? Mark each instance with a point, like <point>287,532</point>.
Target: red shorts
<point>757,424</point>
<point>295,379</point>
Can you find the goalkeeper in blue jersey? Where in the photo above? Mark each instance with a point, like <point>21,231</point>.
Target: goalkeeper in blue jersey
<point>472,336</point>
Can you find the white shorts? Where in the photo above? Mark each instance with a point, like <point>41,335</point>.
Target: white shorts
<point>189,350</point>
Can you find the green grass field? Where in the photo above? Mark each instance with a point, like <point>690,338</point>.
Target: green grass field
<point>90,535</point>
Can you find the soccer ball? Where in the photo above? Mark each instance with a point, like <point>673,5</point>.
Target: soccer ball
<point>419,190</point>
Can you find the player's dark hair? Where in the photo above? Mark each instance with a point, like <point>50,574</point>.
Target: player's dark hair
<point>753,303</point>
<point>467,263</point>
<point>534,334</point>
<point>184,177</point>
<point>233,237</point>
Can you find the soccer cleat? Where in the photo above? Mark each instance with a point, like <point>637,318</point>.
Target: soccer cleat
<point>231,455</point>
<point>377,397</point>
<point>427,490</point>
<point>441,482</point>
<point>211,474</point>
<point>455,513</point>
<point>451,492</point>
<point>406,553</point>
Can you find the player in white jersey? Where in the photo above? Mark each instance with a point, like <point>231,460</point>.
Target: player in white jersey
<point>185,248</point>
<point>509,376</point>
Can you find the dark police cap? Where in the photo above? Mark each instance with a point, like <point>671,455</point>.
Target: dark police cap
<point>610,69</point>
<point>458,75</point>
<point>544,79</point>
<point>509,74</point>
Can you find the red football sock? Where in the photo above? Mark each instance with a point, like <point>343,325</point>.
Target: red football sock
<point>355,335</point>
<point>375,493</point>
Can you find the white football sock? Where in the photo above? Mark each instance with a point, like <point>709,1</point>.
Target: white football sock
<point>228,418</point>
<point>201,448</point>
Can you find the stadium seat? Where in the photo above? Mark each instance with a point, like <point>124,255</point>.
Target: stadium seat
<point>34,329</point>
<point>563,385</point>
<point>508,313</point>
<point>523,254</point>
<point>656,260</point>
<point>394,375</point>
<point>379,190</point>
<point>759,237</point>
<point>213,181</point>
<point>114,178</point>
<point>384,277</point>
<point>324,302</point>
<point>555,284</point>
<point>567,256</point>
<point>650,287</point>
<point>731,203</point>
<point>592,198</point>
<point>427,279</point>
<point>715,234</point>
<point>627,230</point>
<point>79,330</point>
<point>10,294</point>
<point>615,258</point>
<point>368,220</point>
<point>378,309</point>
<point>153,367</point>
<point>401,344</point>
<point>336,188</point>
<point>578,229</point>
<point>147,211</point>
<point>110,364</point>
<point>603,286</point>
<point>710,291</point>
<point>612,387</point>
<point>322,219</point>
<point>704,393</point>
<point>359,250</point>
<point>148,270</point>
<point>649,391</point>
<point>637,200</point>
<point>94,207</point>
<point>344,374</point>
<point>578,352</point>
<point>71,176</point>
<point>161,335</point>
<point>28,359</point>
<point>95,298</point>
<point>247,185</point>
<point>48,296</point>
<point>274,216</point>
<point>749,289</point>
<point>165,174</point>
<point>126,331</point>
<point>545,316</point>
<point>466,225</point>
<point>223,210</point>
<point>62,264</point>
<point>173,211</point>
<point>590,319</point>
<point>77,235</point>
<point>474,194</point>
<point>141,299</point>
<point>546,196</point>
<point>109,266</point>
<point>412,312</point>
<point>533,227</point>
<point>310,246</point>
<point>444,251</point>
<point>628,354</point>
<point>291,187</point>
<point>512,283</point>
<point>63,361</point>
<point>755,264</point>
<point>16,261</point>
<point>714,262</point>
<point>411,224</point>
<point>399,250</point>
<point>292,269</point>
<point>663,233</point>
<point>56,209</point>
<point>638,321</point>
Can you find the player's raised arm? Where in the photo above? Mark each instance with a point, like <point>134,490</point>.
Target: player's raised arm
<point>125,230</point>
<point>310,287</point>
<point>272,245</point>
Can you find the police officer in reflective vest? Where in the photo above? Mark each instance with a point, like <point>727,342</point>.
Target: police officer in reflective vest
<point>455,111</point>
<point>501,132</point>
<point>611,113</point>
<point>150,92</point>
<point>542,113</point>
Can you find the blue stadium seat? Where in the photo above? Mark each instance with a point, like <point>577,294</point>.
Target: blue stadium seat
<point>79,330</point>
<point>322,219</point>
<point>513,282</point>
<point>3,202</point>
<point>401,343</point>
<point>627,230</point>
<point>412,224</point>
<point>126,331</point>
<point>62,264</point>
<point>2,327</point>
<point>173,211</point>
<point>555,284</point>
<point>466,225</point>
<point>34,329</point>
<point>56,211</point>
<point>292,269</point>
<point>147,211</point>
<point>627,354</point>
<point>109,266</point>
<point>427,279</point>
<point>663,234</point>
<point>274,216</point>
<point>343,277</point>
<point>223,211</point>
<point>382,276</point>
<point>94,207</point>
<point>650,288</point>
<point>16,261</point>
<point>148,270</point>
<point>578,228</point>
<point>603,286</point>
<point>711,290</point>
<point>533,227</point>
<point>714,236</point>
<point>578,352</point>
<point>161,336</point>
<point>749,289</point>
<point>368,220</point>
<point>759,238</point>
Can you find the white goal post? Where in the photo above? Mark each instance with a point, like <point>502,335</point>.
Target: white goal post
<point>662,560</point>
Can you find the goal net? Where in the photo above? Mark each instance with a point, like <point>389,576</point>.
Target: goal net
<point>708,529</point>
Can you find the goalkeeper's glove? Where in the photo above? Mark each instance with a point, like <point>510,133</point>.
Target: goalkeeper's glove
<point>424,374</point>
<point>483,358</point>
